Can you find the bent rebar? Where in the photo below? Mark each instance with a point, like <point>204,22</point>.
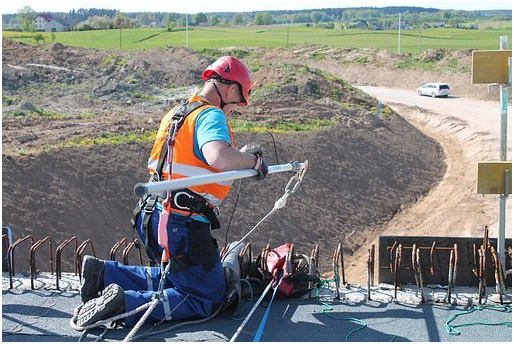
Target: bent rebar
<point>58,263</point>
<point>33,250</point>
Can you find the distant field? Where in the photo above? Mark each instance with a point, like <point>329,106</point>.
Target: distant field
<point>276,36</point>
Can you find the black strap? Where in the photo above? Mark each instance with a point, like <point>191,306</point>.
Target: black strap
<point>180,114</point>
<point>151,245</point>
<point>147,205</point>
<point>188,200</point>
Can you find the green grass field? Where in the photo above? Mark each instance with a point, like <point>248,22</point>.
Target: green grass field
<point>279,36</point>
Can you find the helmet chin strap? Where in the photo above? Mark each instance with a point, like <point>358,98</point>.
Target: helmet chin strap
<point>222,101</point>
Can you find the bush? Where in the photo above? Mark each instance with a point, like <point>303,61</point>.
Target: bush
<point>38,37</point>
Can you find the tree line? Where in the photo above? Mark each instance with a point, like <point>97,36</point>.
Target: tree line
<point>93,18</point>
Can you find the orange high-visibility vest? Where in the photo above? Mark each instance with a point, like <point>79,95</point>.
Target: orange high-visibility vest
<point>185,163</point>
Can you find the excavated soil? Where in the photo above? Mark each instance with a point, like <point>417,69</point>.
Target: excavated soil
<point>363,170</point>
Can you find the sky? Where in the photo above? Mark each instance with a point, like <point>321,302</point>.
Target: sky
<point>238,5</point>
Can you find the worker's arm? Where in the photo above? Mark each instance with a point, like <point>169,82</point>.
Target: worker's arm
<point>222,156</point>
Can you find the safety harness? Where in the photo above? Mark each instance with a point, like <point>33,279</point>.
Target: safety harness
<point>185,200</point>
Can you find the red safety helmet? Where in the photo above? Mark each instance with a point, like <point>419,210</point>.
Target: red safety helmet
<point>230,68</point>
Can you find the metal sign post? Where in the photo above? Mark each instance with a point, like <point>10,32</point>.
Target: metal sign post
<point>495,66</point>
<point>504,93</point>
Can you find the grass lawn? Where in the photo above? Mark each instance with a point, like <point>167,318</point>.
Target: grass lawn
<point>275,36</point>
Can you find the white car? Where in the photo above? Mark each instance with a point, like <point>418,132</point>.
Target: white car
<point>437,89</point>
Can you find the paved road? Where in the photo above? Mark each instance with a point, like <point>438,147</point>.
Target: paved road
<point>481,116</point>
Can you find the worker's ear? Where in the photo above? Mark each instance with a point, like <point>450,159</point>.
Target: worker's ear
<point>233,88</point>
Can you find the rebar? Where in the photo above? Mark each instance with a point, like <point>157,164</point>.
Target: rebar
<point>482,281</point>
<point>313,264</point>
<point>450,277</point>
<point>414,265</point>
<point>33,250</point>
<point>371,269</point>
<point>58,254</point>
<point>420,273</point>
<point>335,268</point>
<point>498,269</point>
<point>11,251</point>
<point>114,249</point>
<point>397,267</point>
<point>80,250</point>
<point>127,250</point>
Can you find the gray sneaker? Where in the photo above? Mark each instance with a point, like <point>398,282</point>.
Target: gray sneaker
<point>109,304</point>
<point>92,278</point>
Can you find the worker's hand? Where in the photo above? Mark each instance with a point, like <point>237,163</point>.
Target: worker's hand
<point>261,166</point>
<point>252,148</point>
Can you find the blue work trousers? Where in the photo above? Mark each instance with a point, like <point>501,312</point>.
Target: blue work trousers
<point>191,293</point>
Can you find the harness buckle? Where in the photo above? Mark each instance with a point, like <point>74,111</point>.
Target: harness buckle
<point>175,200</point>
<point>150,205</point>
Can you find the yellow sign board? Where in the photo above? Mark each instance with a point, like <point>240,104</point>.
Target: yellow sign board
<point>490,66</point>
<point>491,177</point>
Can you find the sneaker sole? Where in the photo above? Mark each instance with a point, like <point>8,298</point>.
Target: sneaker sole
<point>97,309</point>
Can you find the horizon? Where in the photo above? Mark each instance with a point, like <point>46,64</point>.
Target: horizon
<point>208,6</point>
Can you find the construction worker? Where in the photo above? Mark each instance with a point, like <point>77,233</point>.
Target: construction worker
<point>195,287</point>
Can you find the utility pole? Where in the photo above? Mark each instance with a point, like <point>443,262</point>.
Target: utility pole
<point>120,37</point>
<point>399,30</point>
<point>187,34</point>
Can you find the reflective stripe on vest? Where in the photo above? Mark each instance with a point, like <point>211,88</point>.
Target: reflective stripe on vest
<point>185,163</point>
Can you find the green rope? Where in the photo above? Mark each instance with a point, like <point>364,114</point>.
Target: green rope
<point>452,329</point>
<point>329,308</point>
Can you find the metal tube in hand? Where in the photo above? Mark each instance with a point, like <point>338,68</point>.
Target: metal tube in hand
<point>142,189</point>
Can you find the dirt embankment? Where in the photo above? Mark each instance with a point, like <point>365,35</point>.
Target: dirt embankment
<point>363,170</point>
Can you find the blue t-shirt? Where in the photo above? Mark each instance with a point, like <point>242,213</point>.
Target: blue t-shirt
<point>210,126</point>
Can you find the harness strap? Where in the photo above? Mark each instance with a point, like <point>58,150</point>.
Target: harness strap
<point>180,114</point>
<point>151,245</point>
<point>166,306</point>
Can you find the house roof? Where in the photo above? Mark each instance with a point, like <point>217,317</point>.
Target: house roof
<point>46,17</point>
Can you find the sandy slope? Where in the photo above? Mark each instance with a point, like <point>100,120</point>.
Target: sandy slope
<point>468,130</point>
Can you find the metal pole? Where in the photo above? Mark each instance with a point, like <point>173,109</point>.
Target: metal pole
<point>419,43</point>
<point>142,189</point>
<point>399,30</point>
<point>287,44</point>
<point>187,34</point>
<point>120,38</point>
<point>503,157</point>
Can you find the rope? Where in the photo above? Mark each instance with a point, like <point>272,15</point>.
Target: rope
<point>73,319</point>
<point>99,338</point>
<point>234,317</point>
<point>329,308</point>
<point>234,337</point>
<point>452,329</point>
<point>174,327</point>
<point>280,203</point>
<point>141,321</point>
